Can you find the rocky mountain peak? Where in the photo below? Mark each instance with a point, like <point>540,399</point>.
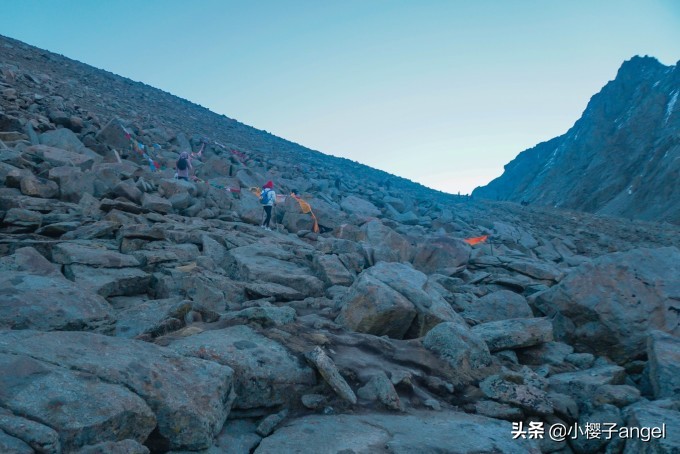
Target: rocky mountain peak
<point>640,66</point>
<point>619,158</point>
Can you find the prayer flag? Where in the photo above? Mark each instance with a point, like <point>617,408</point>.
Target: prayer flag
<point>476,240</point>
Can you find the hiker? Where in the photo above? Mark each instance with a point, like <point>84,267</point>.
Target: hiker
<point>183,166</point>
<point>267,199</point>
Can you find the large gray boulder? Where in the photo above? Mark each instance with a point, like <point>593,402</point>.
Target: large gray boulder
<point>662,417</point>
<point>514,333</point>
<point>114,134</point>
<point>499,305</point>
<point>399,434</point>
<point>39,187</point>
<point>191,398</point>
<point>57,157</point>
<point>268,263</point>
<point>535,268</point>
<point>606,416</point>
<point>79,406</point>
<point>115,447</point>
<point>107,176</point>
<point>9,200</point>
<point>584,385</point>
<point>129,190</point>
<point>109,281</point>
<point>152,317</point>
<point>50,302</point>
<point>155,203</point>
<point>30,260</point>
<point>295,218</point>
<point>265,373</point>
<point>23,220</point>
<point>92,254</point>
<point>332,270</point>
<point>73,183</point>
<point>607,307</point>
<point>458,345</point>
<point>171,187</point>
<point>238,436</point>
<point>384,244</point>
<point>554,353</point>
<point>36,435</point>
<point>663,351</point>
<point>65,139</point>
<point>250,209</point>
<point>359,207</point>
<point>393,299</point>
<point>442,255</point>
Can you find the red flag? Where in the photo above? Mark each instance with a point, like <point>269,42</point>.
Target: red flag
<point>476,240</point>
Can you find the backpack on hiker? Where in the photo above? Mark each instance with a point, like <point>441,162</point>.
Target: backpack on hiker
<point>266,197</point>
<point>182,164</point>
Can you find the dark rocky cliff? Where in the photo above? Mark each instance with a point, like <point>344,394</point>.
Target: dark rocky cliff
<point>622,157</point>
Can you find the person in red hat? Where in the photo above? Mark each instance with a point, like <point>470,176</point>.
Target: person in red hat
<point>267,199</point>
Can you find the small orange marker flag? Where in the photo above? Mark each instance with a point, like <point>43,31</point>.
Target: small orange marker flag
<point>476,240</point>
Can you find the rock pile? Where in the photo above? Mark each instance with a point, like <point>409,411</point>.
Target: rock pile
<point>141,313</point>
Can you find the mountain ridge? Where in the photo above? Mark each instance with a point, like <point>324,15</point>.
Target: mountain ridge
<point>202,120</point>
<point>619,158</point>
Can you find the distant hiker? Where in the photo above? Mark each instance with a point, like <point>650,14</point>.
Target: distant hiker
<point>183,166</point>
<point>267,199</point>
<point>524,203</point>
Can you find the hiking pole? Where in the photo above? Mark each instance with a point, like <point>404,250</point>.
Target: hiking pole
<point>276,225</point>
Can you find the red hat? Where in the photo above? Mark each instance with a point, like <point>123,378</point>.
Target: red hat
<point>269,185</point>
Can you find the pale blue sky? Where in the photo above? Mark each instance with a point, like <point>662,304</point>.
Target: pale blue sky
<point>441,92</point>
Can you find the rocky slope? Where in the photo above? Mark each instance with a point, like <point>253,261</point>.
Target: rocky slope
<point>620,158</point>
<point>139,313</point>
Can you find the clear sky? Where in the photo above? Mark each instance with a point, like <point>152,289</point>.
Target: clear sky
<point>441,92</point>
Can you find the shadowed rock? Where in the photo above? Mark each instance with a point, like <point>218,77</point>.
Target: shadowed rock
<point>271,264</point>
<point>38,436</point>
<point>458,345</point>
<point>81,408</point>
<point>265,373</point>
<point>50,302</point>
<point>514,333</point>
<point>663,351</point>
<point>191,398</point>
<point>417,432</point>
<point>393,299</point>
<point>608,307</point>
<point>500,305</point>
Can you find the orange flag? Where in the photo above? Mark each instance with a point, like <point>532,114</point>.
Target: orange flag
<point>307,208</point>
<point>304,206</point>
<point>476,240</point>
